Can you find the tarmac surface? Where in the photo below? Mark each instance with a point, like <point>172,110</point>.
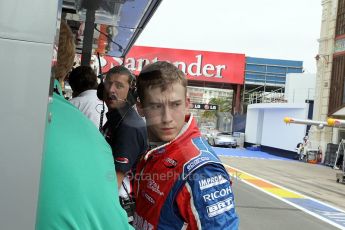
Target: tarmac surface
<point>309,187</point>
<point>259,211</point>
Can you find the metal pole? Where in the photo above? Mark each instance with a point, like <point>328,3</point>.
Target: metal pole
<point>265,79</point>
<point>244,92</point>
<point>244,89</point>
<point>88,37</point>
<point>238,99</point>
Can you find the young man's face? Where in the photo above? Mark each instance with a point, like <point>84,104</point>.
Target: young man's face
<point>116,89</point>
<point>164,111</point>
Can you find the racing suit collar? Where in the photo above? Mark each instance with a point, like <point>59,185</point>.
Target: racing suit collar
<point>189,121</point>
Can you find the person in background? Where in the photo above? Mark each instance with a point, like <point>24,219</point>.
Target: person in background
<point>180,183</point>
<point>77,185</point>
<point>83,82</point>
<point>302,149</point>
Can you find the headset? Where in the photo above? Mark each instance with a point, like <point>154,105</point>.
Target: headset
<point>132,96</point>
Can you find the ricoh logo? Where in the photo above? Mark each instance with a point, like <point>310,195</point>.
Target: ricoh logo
<point>217,194</point>
<point>151,184</point>
<point>219,207</point>
<point>212,181</point>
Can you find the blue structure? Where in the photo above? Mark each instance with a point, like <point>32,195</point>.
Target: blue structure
<point>263,71</point>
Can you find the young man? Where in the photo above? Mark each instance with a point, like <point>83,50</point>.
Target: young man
<point>125,130</point>
<point>181,183</point>
<point>83,82</point>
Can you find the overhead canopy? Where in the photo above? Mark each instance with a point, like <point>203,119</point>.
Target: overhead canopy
<point>118,23</point>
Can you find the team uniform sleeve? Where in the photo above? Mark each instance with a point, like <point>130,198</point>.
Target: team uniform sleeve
<point>126,147</point>
<point>206,201</point>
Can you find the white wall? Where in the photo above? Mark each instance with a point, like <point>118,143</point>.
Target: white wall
<point>27,31</point>
<point>274,132</point>
<point>252,125</point>
<point>300,87</point>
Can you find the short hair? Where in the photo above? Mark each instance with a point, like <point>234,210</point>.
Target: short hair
<point>119,69</point>
<point>82,78</point>
<point>66,52</point>
<point>159,74</point>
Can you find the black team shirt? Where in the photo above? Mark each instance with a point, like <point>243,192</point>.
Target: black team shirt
<point>125,131</point>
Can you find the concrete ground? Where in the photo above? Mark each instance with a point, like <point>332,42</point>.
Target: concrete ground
<point>315,181</point>
<point>260,211</point>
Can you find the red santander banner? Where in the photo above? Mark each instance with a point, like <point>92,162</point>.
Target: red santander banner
<point>197,65</point>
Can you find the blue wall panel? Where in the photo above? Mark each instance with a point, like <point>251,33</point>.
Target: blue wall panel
<point>270,71</point>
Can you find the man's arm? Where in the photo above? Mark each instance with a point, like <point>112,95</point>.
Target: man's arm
<point>127,145</point>
<point>206,200</point>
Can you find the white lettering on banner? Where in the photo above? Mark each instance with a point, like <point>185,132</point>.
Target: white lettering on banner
<point>194,69</point>
<point>117,60</point>
<point>141,63</point>
<point>197,65</point>
<point>130,64</point>
<point>212,181</point>
<point>219,207</point>
<point>219,70</point>
<point>217,194</point>
<point>151,184</point>
<point>207,67</point>
<point>140,223</point>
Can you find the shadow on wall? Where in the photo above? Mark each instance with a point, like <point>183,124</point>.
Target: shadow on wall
<point>239,123</point>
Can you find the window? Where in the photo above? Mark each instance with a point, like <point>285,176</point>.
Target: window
<point>337,95</point>
<point>340,27</point>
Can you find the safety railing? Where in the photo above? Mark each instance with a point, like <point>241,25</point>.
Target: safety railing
<point>276,96</point>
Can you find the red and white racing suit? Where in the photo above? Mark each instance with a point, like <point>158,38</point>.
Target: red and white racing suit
<point>183,185</point>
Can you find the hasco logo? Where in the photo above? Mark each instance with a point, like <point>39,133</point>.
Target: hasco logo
<point>170,163</point>
<point>197,161</point>
<point>219,207</point>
